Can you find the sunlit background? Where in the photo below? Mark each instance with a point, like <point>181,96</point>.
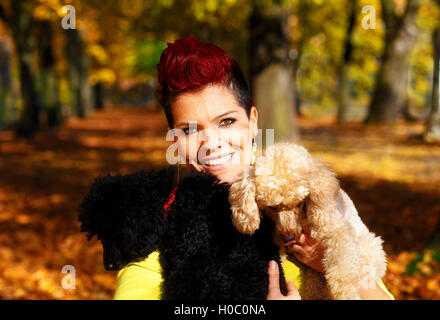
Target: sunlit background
<point>355,81</point>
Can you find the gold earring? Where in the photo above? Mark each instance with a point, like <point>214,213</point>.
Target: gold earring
<point>254,151</point>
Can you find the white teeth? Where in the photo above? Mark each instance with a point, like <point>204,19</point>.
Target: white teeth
<point>219,161</point>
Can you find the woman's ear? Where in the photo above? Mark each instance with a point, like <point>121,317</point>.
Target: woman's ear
<point>245,212</point>
<point>253,119</point>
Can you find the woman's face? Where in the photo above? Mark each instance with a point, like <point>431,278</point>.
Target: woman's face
<point>216,134</point>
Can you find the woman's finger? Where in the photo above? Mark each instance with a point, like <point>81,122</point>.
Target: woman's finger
<point>298,250</point>
<point>274,281</point>
<point>301,239</point>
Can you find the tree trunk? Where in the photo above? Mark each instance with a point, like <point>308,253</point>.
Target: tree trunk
<point>81,98</point>
<point>296,96</point>
<point>390,93</point>
<point>5,83</point>
<point>344,94</point>
<point>20,21</point>
<point>49,79</point>
<point>271,72</point>
<point>204,33</point>
<point>98,96</point>
<point>433,127</point>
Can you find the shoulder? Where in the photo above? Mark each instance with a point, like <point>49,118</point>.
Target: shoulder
<point>346,208</point>
<point>291,272</point>
<point>140,280</point>
<point>385,289</point>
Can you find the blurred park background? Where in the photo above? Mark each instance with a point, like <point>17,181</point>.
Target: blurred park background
<point>354,81</point>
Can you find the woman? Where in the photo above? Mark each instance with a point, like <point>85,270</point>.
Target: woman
<point>206,101</point>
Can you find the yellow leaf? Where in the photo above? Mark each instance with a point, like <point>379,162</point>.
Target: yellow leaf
<point>432,284</point>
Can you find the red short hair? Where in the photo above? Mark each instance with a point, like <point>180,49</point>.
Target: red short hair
<point>189,64</point>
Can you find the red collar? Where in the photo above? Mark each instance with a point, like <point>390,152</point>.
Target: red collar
<point>171,197</point>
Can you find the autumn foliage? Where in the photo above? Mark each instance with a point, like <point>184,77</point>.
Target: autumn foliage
<point>393,181</point>
<point>310,64</point>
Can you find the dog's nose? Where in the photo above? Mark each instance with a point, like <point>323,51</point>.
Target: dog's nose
<point>288,237</point>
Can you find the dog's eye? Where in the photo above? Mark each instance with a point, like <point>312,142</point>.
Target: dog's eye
<point>273,208</point>
<point>303,208</point>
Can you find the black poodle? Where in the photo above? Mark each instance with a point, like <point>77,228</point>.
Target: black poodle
<point>201,253</point>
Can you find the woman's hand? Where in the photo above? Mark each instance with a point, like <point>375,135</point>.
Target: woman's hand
<point>274,292</point>
<point>308,251</point>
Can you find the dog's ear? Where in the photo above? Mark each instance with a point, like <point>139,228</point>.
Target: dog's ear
<point>126,212</point>
<point>245,213</point>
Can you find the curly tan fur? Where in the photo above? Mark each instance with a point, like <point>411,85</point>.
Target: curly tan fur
<point>299,192</point>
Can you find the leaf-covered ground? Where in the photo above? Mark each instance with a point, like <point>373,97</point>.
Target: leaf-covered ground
<point>393,179</point>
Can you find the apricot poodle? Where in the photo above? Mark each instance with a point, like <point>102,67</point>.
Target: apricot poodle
<point>299,192</point>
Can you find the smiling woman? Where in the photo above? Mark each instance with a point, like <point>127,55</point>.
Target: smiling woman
<point>218,133</point>
<point>205,95</point>
<point>207,102</point>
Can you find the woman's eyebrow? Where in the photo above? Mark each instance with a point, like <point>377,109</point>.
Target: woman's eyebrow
<point>224,114</point>
<point>219,116</point>
<point>184,122</point>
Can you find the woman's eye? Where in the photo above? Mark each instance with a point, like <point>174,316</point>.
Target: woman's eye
<point>190,130</point>
<point>227,122</point>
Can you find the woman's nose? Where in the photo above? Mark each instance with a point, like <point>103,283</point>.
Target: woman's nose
<point>210,136</point>
<point>211,141</point>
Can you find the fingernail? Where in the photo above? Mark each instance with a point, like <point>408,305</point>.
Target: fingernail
<point>272,265</point>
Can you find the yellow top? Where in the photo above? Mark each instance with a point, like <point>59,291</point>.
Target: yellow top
<point>141,280</point>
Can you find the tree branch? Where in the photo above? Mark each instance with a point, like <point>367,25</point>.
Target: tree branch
<point>388,14</point>
<point>3,16</point>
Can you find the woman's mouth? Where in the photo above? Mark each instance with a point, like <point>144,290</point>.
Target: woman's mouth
<point>217,163</point>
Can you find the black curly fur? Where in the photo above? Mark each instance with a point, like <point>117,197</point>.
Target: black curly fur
<point>126,213</point>
<point>202,255</point>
